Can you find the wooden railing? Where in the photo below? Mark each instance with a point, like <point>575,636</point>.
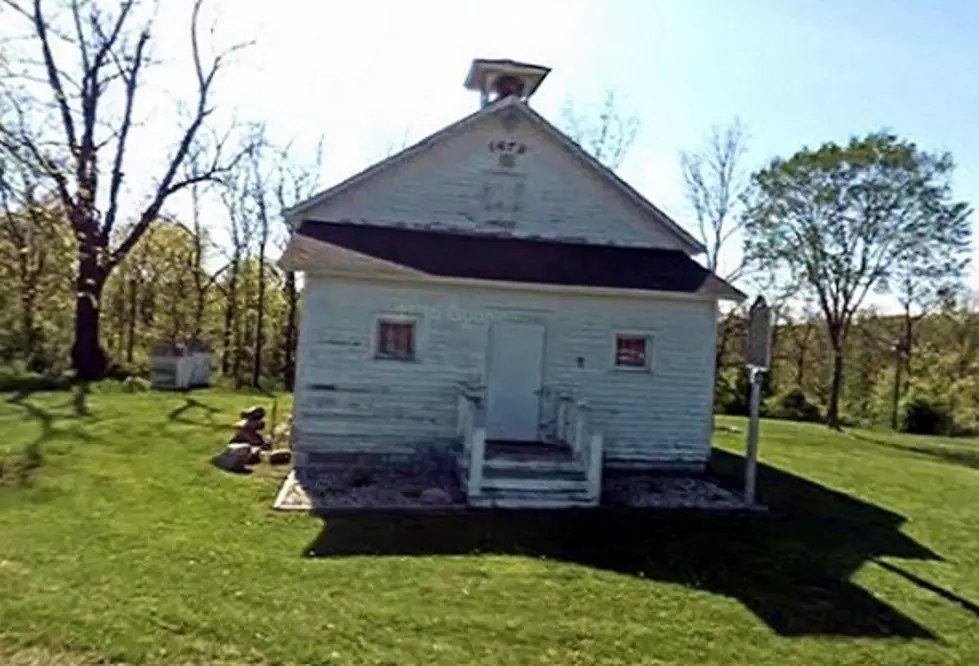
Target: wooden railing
<point>575,428</point>
<point>471,428</point>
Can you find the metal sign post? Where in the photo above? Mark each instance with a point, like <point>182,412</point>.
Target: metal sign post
<point>756,359</point>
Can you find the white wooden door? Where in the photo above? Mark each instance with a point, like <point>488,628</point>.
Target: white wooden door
<point>513,380</point>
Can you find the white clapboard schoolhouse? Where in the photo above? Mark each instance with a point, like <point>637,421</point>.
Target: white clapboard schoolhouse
<point>495,289</point>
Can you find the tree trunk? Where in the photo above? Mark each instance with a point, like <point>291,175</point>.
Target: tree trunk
<point>27,323</point>
<point>259,319</point>
<point>290,335</point>
<point>199,303</point>
<point>230,316</point>
<point>906,355</point>
<point>131,334</point>
<point>239,337</point>
<point>87,356</point>
<point>896,398</point>
<point>800,367</point>
<point>836,384</point>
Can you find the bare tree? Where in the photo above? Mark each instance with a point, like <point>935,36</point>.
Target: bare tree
<point>715,184</point>
<point>203,280</point>
<point>295,183</point>
<point>259,193</point>
<point>269,180</point>
<point>241,229</point>
<point>607,135</point>
<point>81,89</point>
<point>394,144</point>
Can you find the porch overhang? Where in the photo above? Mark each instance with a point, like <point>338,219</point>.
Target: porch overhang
<point>388,250</point>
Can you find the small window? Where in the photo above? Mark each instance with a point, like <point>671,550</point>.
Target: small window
<point>395,339</point>
<point>632,351</point>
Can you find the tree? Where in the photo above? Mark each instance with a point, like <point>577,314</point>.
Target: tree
<point>32,248</point>
<point>202,247</point>
<point>296,182</point>
<point>838,219</point>
<point>392,144</point>
<point>259,194</point>
<point>607,136</point>
<point>920,281</point>
<point>269,180</point>
<point>81,91</point>
<point>799,338</point>
<point>148,298</point>
<point>235,194</point>
<point>715,184</point>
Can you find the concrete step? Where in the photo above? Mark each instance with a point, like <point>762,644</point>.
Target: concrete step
<point>565,473</point>
<point>538,466</point>
<point>531,500</point>
<point>534,485</point>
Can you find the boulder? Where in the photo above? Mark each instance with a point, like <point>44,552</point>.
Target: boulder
<point>435,496</point>
<point>280,457</point>
<point>253,413</point>
<point>248,433</point>
<point>234,458</point>
<point>255,455</point>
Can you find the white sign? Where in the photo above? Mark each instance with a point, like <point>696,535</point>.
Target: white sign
<point>758,350</point>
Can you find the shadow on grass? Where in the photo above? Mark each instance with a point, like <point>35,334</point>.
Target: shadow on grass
<point>177,414</point>
<point>791,567</point>
<point>923,583</point>
<point>79,399</point>
<point>22,467</point>
<point>962,458</point>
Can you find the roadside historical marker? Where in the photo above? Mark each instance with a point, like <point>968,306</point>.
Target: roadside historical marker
<point>757,356</point>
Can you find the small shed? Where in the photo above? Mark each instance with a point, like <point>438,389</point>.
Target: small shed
<point>183,365</point>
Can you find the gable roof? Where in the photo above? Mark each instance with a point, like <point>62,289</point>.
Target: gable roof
<point>531,261</point>
<point>638,200</point>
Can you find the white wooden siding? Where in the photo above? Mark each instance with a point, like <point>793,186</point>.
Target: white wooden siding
<point>347,400</point>
<point>459,185</point>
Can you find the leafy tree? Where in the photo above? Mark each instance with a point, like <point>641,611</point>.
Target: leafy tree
<point>839,218</point>
<point>77,94</point>
<point>147,296</point>
<point>35,259</point>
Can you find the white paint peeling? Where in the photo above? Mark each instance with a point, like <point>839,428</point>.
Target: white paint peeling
<point>457,185</point>
<point>346,399</point>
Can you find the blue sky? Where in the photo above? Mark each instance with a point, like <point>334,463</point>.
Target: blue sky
<point>796,73</point>
<point>363,74</point>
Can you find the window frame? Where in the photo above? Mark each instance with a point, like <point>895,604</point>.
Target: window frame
<point>396,319</point>
<point>648,340</point>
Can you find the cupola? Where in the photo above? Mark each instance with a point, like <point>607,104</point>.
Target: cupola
<point>496,79</point>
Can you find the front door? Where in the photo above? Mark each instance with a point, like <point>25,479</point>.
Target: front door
<point>513,380</point>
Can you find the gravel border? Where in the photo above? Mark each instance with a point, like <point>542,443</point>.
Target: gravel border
<point>390,489</point>
<point>645,490</point>
<point>398,488</point>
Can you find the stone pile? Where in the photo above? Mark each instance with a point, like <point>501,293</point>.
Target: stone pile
<point>248,446</point>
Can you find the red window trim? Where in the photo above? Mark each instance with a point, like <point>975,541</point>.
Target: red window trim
<point>631,351</point>
<point>395,340</point>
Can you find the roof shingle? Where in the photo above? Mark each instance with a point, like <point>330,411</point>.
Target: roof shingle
<point>508,259</point>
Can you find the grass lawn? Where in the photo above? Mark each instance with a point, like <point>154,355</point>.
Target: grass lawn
<point>119,542</point>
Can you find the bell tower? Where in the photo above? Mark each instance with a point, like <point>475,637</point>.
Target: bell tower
<point>496,79</point>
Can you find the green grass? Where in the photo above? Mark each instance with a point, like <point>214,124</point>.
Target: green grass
<point>120,542</point>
